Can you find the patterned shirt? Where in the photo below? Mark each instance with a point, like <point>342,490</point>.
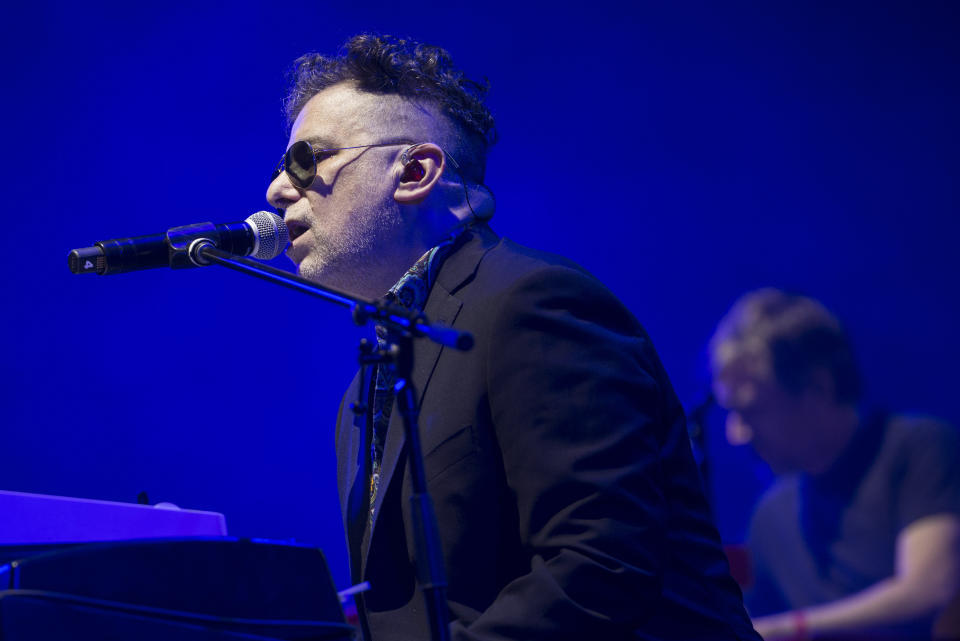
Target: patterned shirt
<point>410,292</point>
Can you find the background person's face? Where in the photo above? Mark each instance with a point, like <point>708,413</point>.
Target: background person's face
<point>761,412</point>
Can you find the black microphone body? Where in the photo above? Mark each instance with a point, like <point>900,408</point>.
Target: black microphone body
<point>262,234</point>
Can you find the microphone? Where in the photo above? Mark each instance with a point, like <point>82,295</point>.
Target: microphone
<point>263,235</point>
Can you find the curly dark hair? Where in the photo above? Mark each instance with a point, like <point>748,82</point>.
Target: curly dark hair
<point>389,65</point>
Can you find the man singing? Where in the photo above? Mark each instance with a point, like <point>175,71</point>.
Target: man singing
<point>556,454</point>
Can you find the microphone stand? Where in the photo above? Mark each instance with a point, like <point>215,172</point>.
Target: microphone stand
<point>405,326</point>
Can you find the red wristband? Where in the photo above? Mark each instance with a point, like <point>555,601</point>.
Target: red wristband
<point>800,626</point>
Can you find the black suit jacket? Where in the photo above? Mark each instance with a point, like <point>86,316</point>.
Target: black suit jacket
<point>557,457</point>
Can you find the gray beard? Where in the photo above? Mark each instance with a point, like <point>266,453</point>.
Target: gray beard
<point>355,259</point>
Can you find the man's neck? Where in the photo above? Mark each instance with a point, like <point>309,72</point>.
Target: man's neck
<point>835,430</point>
<point>378,275</point>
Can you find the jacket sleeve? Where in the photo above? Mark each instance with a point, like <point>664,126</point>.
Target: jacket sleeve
<point>580,408</point>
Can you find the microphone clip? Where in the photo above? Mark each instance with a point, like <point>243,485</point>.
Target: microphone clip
<point>186,242</point>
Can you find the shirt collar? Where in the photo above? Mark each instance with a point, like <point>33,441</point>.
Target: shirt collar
<point>412,289</point>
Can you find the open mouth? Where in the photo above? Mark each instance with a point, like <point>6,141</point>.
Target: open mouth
<point>296,229</point>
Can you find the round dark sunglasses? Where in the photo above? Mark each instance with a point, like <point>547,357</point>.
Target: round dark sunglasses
<point>300,161</point>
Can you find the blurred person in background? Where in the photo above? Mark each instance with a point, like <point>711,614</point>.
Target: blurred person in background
<point>859,536</point>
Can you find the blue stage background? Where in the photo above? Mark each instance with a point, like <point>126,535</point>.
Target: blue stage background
<point>682,152</point>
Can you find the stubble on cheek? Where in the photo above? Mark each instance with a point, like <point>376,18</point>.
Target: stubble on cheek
<point>344,242</point>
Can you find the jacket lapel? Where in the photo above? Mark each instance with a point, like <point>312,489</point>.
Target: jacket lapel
<point>351,440</point>
<point>442,308</point>
<point>346,443</point>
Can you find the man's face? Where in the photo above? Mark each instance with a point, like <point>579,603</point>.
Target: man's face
<point>346,223</point>
<point>763,413</point>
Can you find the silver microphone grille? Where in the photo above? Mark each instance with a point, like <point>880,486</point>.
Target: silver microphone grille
<point>270,232</point>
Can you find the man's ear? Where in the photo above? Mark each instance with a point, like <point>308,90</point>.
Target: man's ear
<point>419,170</point>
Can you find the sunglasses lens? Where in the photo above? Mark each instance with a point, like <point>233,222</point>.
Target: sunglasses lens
<point>301,166</point>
